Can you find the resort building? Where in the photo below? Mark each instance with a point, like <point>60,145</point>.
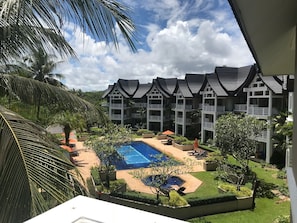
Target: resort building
<point>191,106</point>
<point>269,28</point>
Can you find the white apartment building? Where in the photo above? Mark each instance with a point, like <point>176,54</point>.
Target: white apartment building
<point>191,106</point>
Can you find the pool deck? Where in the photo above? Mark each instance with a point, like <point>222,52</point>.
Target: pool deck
<point>87,158</point>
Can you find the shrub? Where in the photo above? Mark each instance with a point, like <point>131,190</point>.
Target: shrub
<point>91,187</point>
<point>264,189</point>
<point>176,200</point>
<point>143,131</point>
<point>95,175</point>
<point>282,174</point>
<point>282,219</point>
<point>136,197</point>
<point>243,192</point>
<point>194,201</point>
<point>181,139</point>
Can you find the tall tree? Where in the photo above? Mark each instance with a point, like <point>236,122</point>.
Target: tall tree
<point>39,66</point>
<point>236,135</point>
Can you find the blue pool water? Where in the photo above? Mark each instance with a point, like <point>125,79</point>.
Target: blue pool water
<point>136,155</point>
<point>173,180</point>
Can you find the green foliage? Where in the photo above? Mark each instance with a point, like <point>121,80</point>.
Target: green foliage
<point>106,146</point>
<point>137,197</point>
<point>282,219</point>
<point>196,201</point>
<point>282,174</point>
<point>236,134</point>
<point>143,131</point>
<point>215,157</point>
<point>175,200</point>
<point>264,190</point>
<point>91,187</point>
<point>231,188</point>
<point>95,175</point>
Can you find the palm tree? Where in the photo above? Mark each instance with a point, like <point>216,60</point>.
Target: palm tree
<point>27,24</point>
<point>39,66</point>
<point>31,167</point>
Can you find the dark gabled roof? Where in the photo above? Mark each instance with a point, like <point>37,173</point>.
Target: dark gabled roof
<point>215,84</point>
<point>184,89</point>
<point>167,86</point>
<point>195,82</point>
<point>142,90</point>
<point>232,78</point>
<point>127,87</point>
<point>107,91</point>
<point>273,83</point>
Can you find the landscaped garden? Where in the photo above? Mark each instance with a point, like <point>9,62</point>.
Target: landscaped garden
<point>236,175</point>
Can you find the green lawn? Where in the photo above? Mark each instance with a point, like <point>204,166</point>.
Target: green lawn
<point>265,212</point>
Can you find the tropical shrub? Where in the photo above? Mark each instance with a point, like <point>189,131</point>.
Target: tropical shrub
<point>264,190</point>
<point>229,188</point>
<point>197,201</point>
<point>143,131</point>
<point>175,200</point>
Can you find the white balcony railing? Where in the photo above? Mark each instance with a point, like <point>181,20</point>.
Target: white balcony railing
<point>212,108</point>
<point>154,118</point>
<point>252,110</point>
<point>240,107</point>
<point>208,125</point>
<point>116,105</point>
<point>155,106</point>
<point>140,105</point>
<point>115,117</point>
<point>187,107</point>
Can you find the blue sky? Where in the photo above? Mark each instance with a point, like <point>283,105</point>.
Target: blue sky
<point>175,37</point>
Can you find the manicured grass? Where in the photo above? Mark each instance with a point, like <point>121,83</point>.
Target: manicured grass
<point>209,185</point>
<point>265,212</point>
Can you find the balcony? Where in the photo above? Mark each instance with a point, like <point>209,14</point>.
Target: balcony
<point>186,107</point>
<point>208,125</point>
<point>263,136</point>
<point>116,117</point>
<point>259,111</point>
<point>180,121</point>
<point>158,106</point>
<point>116,105</point>
<point>212,108</point>
<point>155,118</point>
<point>140,105</point>
<point>240,107</point>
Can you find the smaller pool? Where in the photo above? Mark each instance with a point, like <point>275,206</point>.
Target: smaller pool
<point>171,181</point>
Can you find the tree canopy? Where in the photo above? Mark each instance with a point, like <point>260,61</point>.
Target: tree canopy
<point>236,135</point>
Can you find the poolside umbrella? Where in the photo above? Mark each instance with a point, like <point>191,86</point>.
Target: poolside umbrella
<point>168,132</point>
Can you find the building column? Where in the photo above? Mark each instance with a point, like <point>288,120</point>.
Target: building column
<point>162,114</point>
<point>122,111</point>
<point>202,119</point>
<point>269,132</point>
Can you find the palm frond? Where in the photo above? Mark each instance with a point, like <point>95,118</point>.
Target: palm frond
<point>33,170</point>
<point>26,89</point>
<point>25,24</point>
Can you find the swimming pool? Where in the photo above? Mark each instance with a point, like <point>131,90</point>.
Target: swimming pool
<point>136,155</point>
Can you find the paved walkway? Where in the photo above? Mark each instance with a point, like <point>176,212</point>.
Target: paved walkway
<point>87,159</point>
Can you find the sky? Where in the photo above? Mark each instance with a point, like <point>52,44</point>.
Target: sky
<point>174,37</point>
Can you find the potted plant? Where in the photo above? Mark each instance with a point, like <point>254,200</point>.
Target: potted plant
<point>107,170</point>
<point>212,161</point>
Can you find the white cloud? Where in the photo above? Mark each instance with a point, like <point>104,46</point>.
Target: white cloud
<point>195,45</point>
